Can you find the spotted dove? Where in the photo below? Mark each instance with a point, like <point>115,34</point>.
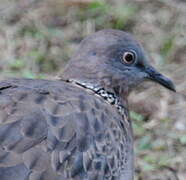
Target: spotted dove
<point>77,127</point>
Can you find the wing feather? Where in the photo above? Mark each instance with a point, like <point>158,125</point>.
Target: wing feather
<point>56,131</point>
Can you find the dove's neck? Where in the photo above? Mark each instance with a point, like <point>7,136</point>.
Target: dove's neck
<point>93,76</point>
<point>96,79</point>
<point>109,97</point>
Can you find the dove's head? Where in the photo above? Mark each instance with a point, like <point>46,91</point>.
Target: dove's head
<point>115,60</point>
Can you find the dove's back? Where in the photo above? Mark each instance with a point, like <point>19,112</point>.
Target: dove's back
<point>53,130</point>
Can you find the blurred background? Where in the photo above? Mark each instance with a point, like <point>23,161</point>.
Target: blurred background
<point>37,38</point>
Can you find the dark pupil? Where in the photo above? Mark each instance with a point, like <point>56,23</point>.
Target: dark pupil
<point>129,57</point>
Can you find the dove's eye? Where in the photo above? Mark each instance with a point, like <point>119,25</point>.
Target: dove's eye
<point>129,57</point>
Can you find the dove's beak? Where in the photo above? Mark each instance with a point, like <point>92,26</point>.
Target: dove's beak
<point>155,76</point>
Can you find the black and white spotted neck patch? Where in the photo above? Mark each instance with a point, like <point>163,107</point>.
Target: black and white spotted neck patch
<point>109,97</point>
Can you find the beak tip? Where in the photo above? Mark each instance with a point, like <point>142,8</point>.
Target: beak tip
<point>169,84</point>
<point>173,88</point>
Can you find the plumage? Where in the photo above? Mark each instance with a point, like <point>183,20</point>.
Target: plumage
<point>78,127</point>
<point>50,132</point>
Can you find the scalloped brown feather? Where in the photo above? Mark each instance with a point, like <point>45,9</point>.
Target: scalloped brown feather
<point>53,130</point>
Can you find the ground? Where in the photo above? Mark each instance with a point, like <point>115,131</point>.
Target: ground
<point>38,37</point>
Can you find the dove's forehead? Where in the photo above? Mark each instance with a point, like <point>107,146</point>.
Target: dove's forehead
<point>107,38</point>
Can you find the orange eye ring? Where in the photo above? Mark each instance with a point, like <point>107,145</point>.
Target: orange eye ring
<point>129,57</point>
